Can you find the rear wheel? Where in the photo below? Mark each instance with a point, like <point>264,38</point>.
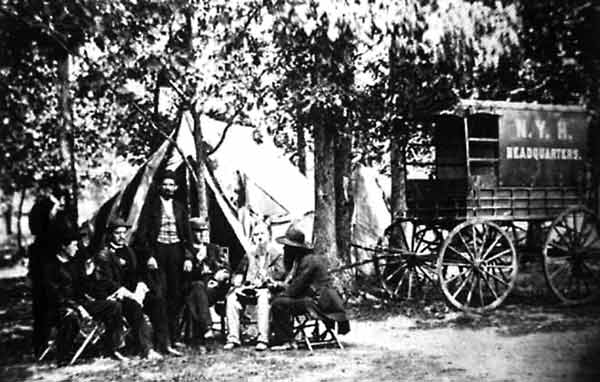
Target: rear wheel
<point>406,271</point>
<point>572,256</point>
<point>477,266</point>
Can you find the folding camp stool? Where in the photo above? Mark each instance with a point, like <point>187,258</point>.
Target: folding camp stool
<point>323,332</point>
<point>90,331</point>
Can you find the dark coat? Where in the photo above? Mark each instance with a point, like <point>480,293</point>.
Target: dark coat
<point>312,279</point>
<point>310,276</point>
<point>213,262</point>
<point>112,270</point>
<point>148,230</point>
<point>62,283</point>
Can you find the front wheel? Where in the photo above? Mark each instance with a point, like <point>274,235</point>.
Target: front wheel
<point>477,266</point>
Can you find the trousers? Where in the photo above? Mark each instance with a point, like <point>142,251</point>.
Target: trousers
<point>234,308</point>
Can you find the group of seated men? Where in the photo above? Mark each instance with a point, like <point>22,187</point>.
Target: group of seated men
<point>150,290</point>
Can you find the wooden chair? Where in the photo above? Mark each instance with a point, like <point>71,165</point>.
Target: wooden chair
<point>312,329</point>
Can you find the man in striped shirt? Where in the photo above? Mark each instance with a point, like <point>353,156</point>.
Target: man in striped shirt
<point>168,239</point>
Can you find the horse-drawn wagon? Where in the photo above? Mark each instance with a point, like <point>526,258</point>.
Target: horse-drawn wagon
<point>500,169</point>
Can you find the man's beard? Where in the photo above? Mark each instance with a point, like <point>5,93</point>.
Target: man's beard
<point>166,195</point>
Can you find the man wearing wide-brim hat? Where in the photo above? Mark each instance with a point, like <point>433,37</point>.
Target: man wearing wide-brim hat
<point>308,290</point>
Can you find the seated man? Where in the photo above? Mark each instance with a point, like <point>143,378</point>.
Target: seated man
<point>308,290</point>
<point>208,280</point>
<point>116,278</point>
<point>262,271</point>
<point>63,276</point>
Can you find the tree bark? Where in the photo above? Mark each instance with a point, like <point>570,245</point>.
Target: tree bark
<point>324,235</point>
<point>8,214</point>
<point>398,169</point>
<point>67,138</point>
<point>19,217</point>
<point>201,159</point>
<point>398,139</point>
<point>301,146</point>
<point>344,201</point>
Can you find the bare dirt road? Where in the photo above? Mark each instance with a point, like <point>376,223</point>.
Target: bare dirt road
<point>524,340</point>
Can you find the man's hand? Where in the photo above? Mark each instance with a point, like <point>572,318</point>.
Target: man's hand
<point>221,275</point>
<point>83,313</point>
<point>237,280</point>
<point>187,265</point>
<point>201,254</point>
<point>152,264</point>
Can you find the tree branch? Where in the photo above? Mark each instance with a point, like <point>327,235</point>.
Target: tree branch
<point>168,138</point>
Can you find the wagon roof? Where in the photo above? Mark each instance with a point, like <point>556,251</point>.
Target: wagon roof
<point>495,106</point>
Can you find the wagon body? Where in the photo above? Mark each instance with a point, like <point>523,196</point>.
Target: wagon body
<point>505,161</point>
<point>498,164</point>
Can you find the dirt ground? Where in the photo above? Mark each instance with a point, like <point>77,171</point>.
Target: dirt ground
<point>529,338</point>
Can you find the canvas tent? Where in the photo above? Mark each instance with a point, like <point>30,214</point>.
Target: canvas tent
<point>246,181</point>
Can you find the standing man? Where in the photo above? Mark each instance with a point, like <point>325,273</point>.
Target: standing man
<point>308,290</point>
<point>264,272</point>
<point>47,220</point>
<point>167,238</point>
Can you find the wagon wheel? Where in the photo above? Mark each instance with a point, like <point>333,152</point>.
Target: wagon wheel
<point>572,256</point>
<point>405,271</point>
<point>477,266</point>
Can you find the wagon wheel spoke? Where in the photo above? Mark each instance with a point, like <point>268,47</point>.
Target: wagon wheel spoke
<point>395,272</point>
<point>466,246</point>
<point>471,288</point>
<point>498,279</point>
<point>498,255</point>
<point>559,247</point>
<point>481,296</point>
<point>426,273</point>
<point>498,266</point>
<point>397,290</point>
<point>487,283</point>
<point>562,237</point>
<point>463,283</point>
<point>491,246</point>
<point>460,274</point>
<point>465,257</point>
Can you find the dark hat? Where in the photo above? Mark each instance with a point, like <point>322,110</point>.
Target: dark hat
<point>294,238</point>
<point>169,174</point>
<point>247,296</point>
<point>118,222</point>
<point>198,224</point>
<point>67,232</point>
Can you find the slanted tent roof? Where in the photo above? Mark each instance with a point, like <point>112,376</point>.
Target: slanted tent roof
<point>130,202</point>
<point>272,187</point>
<point>273,184</point>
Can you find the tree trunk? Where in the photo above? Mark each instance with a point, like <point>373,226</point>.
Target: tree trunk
<point>398,169</point>
<point>19,217</point>
<point>344,201</point>
<point>67,139</point>
<point>301,146</point>
<point>156,137</point>
<point>8,213</point>
<point>324,237</point>
<point>201,159</point>
<point>398,135</point>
